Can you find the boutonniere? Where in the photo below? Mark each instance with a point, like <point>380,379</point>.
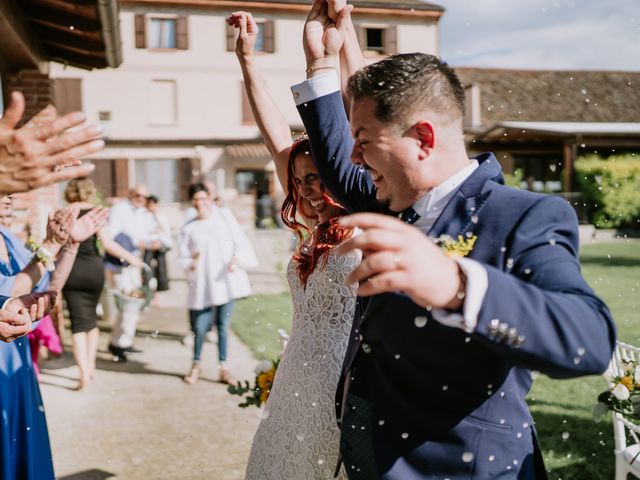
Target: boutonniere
<point>453,248</point>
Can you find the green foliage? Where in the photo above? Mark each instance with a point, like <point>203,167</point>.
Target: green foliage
<point>514,179</point>
<point>612,189</point>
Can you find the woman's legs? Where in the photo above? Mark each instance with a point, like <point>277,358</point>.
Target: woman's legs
<point>223,319</point>
<point>80,354</point>
<point>201,321</point>
<point>93,336</point>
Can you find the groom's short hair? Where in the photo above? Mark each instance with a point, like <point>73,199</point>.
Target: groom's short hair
<point>408,82</point>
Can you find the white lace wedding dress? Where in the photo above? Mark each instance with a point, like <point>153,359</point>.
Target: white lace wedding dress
<point>298,438</point>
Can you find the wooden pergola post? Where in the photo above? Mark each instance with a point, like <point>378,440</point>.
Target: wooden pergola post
<point>569,158</point>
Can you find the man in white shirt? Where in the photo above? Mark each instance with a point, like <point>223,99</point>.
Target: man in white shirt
<point>127,220</point>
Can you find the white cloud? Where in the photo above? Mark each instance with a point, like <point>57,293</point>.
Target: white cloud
<point>592,34</point>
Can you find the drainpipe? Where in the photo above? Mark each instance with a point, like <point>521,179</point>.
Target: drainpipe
<point>110,21</point>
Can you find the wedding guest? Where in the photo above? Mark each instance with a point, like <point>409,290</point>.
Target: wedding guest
<point>158,243</point>
<point>86,281</point>
<point>300,405</point>
<point>36,157</point>
<point>127,220</point>
<point>215,252</point>
<point>517,303</point>
<point>25,452</point>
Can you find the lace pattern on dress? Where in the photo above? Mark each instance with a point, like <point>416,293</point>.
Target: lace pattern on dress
<point>298,437</point>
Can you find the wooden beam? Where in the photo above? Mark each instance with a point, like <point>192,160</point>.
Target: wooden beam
<point>44,27</point>
<point>569,154</point>
<point>20,46</point>
<point>81,9</point>
<point>61,18</point>
<point>89,41</point>
<point>99,53</point>
<point>75,59</point>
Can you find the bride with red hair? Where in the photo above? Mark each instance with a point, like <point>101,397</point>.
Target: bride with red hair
<point>298,436</point>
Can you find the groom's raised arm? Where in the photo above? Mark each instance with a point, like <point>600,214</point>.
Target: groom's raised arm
<point>321,108</point>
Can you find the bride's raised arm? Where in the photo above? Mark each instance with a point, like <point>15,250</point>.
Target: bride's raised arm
<point>273,126</point>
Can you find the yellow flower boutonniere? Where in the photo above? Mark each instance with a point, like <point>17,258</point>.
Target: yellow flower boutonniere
<point>456,248</point>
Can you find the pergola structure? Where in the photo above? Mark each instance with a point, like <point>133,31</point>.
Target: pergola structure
<point>565,136</point>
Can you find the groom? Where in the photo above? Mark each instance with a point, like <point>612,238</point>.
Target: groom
<point>440,359</point>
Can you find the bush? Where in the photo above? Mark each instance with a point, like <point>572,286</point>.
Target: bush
<point>612,189</point>
<point>514,179</point>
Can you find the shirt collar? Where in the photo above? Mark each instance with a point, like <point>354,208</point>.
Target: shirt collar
<point>436,198</point>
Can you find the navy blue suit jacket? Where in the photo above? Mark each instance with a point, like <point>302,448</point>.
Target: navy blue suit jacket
<point>444,403</point>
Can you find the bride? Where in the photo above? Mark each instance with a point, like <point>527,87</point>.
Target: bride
<point>298,436</point>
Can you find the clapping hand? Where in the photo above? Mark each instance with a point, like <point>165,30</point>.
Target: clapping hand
<point>248,34</point>
<point>59,225</point>
<point>18,314</point>
<point>35,156</point>
<point>399,257</point>
<point>89,224</point>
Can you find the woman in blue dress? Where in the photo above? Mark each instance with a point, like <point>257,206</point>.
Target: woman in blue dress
<point>25,452</point>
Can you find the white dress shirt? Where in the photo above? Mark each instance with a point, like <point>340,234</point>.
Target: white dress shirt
<point>429,207</point>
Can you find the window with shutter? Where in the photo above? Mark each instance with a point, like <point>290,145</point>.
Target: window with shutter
<point>182,33</point>
<point>230,38</point>
<point>163,33</point>
<point>377,40</point>
<point>269,36</point>
<point>141,37</point>
<point>68,96</point>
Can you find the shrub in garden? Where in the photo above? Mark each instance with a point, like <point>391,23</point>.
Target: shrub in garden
<point>612,189</point>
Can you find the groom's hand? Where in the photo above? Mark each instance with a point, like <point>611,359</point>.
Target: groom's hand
<point>322,38</point>
<point>399,257</point>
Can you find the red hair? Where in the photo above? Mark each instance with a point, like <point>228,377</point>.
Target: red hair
<point>327,235</point>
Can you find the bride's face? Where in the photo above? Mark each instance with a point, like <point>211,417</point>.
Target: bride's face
<point>307,182</point>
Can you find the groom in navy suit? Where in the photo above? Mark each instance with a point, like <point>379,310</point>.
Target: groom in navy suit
<point>441,354</point>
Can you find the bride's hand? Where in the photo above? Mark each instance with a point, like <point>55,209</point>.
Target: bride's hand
<point>248,35</point>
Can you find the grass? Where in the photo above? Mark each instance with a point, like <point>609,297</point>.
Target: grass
<point>574,446</point>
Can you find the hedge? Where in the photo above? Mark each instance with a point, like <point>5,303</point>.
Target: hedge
<point>612,189</point>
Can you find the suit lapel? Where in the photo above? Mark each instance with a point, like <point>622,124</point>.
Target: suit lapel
<point>458,216</point>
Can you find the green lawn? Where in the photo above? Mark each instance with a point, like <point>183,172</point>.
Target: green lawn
<point>559,407</point>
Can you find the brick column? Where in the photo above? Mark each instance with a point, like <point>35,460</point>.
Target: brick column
<point>37,88</point>
<point>32,207</point>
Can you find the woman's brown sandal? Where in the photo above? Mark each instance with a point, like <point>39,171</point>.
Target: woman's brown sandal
<point>194,374</point>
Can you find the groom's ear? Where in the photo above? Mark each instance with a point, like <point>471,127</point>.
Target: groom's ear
<point>425,135</point>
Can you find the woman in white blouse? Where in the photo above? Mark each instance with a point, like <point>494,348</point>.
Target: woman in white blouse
<point>215,252</point>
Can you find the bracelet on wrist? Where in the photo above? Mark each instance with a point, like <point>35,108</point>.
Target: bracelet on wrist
<point>313,69</point>
<point>40,254</point>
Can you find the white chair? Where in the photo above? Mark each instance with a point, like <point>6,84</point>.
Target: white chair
<point>626,434</point>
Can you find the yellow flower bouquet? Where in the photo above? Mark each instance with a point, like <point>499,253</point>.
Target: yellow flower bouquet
<point>258,393</point>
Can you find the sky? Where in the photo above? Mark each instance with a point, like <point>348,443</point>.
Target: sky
<point>541,34</point>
